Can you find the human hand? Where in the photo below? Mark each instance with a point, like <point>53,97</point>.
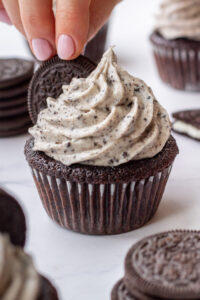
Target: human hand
<point>76,22</point>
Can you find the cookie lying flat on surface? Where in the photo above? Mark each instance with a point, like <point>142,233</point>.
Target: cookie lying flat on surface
<point>15,75</point>
<point>187,123</point>
<point>15,91</point>
<point>14,125</point>
<point>162,266</point>
<point>12,219</point>
<point>14,71</point>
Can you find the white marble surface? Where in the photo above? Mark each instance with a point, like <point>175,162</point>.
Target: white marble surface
<point>86,267</point>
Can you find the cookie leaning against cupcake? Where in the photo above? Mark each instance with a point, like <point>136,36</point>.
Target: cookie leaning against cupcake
<point>162,266</point>
<point>15,76</point>
<point>100,153</point>
<point>176,43</point>
<point>18,276</point>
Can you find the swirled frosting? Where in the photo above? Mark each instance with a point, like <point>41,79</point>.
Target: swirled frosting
<point>106,119</point>
<point>179,19</point>
<point>18,277</point>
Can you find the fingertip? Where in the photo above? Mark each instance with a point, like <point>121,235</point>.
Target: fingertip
<point>42,49</point>
<point>66,47</point>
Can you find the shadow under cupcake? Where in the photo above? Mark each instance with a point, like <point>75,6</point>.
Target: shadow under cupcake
<point>100,154</point>
<point>176,44</point>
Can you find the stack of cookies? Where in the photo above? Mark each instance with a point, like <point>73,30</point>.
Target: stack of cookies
<point>162,266</point>
<point>15,75</point>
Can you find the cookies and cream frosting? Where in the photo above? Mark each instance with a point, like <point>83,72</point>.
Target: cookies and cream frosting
<point>179,19</point>
<point>18,278</point>
<point>106,119</point>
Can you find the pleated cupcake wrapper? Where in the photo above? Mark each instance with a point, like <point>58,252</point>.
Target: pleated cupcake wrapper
<point>178,67</point>
<point>101,208</point>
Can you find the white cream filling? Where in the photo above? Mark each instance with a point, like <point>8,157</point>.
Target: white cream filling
<point>188,129</point>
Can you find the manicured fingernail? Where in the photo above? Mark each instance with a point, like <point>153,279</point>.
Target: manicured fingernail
<point>66,46</point>
<point>42,49</point>
<point>4,17</point>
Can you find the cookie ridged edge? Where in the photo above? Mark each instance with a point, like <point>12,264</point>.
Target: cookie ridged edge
<point>43,67</point>
<point>149,287</point>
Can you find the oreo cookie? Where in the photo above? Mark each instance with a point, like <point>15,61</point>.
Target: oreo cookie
<point>50,77</point>
<point>14,125</point>
<point>162,266</point>
<point>14,91</point>
<point>15,75</point>
<point>12,219</point>
<point>187,123</point>
<point>14,71</point>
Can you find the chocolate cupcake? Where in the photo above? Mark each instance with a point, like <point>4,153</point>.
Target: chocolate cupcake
<point>176,44</point>
<point>19,278</point>
<point>102,152</point>
<point>162,266</point>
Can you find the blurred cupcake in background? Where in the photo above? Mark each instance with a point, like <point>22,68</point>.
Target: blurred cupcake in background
<point>176,43</point>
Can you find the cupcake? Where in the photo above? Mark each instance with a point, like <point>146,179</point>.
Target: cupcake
<point>176,44</point>
<point>19,278</point>
<point>100,153</point>
<point>162,266</point>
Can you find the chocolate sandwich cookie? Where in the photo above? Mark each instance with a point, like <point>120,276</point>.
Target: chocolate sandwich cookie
<point>14,91</point>
<point>162,266</point>
<point>13,111</point>
<point>51,76</point>
<point>12,219</point>
<point>14,71</point>
<point>13,102</point>
<point>14,125</point>
<point>187,123</point>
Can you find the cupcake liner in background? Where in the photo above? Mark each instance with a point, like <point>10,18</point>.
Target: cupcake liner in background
<point>109,207</point>
<point>178,62</point>
<point>96,47</point>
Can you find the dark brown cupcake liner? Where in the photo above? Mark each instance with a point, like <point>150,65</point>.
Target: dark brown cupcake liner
<point>95,48</point>
<point>178,62</point>
<point>101,208</point>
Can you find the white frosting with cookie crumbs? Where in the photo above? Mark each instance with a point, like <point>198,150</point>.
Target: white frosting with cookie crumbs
<point>19,279</point>
<point>106,119</point>
<point>179,19</point>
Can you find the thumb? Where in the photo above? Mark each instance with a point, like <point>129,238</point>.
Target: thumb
<point>72,25</point>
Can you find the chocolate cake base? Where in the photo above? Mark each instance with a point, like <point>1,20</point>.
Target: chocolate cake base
<point>178,61</point>
<point>101,200</point>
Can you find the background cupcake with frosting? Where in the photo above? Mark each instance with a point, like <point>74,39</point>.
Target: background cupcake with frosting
<point>101,152</point>
<point>176,43</point>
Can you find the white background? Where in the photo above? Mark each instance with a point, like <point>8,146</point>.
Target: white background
<point>86,267</point>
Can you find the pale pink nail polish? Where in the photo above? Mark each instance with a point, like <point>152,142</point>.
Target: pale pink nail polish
<point>4,17</point>
<point>66,46</point>
<point>42,49</point>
